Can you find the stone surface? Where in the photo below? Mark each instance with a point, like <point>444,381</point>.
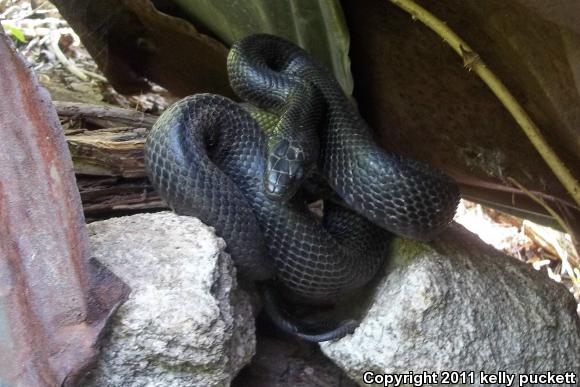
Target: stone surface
<point>186,322</point>
<point>460,305</point>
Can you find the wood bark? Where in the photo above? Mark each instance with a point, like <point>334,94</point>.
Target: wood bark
<point>109,162</point>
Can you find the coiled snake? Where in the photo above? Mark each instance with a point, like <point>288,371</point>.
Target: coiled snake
<point>209,157</point>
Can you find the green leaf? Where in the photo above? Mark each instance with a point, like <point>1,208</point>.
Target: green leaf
<point>316,25</point>
<point>14,31</point>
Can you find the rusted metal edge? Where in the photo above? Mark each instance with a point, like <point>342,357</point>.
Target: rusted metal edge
<point>54,302</point>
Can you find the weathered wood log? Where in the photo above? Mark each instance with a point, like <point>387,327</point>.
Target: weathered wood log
<point>110,172</point>
<point>109,162</point>
<point>104,197</point>
<point>103,115</point>
<point>108,152</point>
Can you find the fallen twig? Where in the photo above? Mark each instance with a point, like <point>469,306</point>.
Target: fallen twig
<point>563,256</point>
<point>54,39</point>
<point>538,199</point>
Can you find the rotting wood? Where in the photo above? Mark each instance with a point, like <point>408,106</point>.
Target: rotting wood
<point>109,162</point>
<point>108,152</point>
<point>110,172</point>
<point>103,115</point>
<point>104,197</point>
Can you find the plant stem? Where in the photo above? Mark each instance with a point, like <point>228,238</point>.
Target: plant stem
<point>472,61</point>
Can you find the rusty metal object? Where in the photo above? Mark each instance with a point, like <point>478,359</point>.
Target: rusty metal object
<point>54,301</point>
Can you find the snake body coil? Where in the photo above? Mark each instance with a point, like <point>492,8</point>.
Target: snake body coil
<point>208,157</point>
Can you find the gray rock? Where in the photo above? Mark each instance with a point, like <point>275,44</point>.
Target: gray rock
<point>460,305</point>
<point>186,322</point>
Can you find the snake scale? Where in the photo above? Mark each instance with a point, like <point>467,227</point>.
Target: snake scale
<point>241,168</point>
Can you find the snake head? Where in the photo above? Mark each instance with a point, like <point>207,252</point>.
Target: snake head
<point>286,169</point>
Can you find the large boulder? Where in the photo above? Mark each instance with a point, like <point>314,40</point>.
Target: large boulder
<point>186,322</point>
<point>460,305</point>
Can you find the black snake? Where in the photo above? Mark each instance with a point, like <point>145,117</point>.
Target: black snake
<point>209,157</point>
